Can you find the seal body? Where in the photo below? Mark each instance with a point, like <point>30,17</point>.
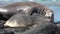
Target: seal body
<point>43,9</point>
<point>6,13</point>
<point>26,9</point>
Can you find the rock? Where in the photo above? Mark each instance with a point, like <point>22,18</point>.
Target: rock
<point>2,31</point>
<point>19,20</point>
<point>46,28</point>
<point>2,24</point>
<point>8,32</point>
<point>58,28</point>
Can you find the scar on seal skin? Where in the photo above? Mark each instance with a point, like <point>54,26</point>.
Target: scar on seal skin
<point>10,9</point>
<point>19,20</point>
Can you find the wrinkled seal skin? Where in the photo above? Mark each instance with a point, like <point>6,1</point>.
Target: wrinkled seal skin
<point>43,9</point>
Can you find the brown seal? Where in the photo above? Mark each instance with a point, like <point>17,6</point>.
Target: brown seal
<point>43,9</point>
<point>7,13</point>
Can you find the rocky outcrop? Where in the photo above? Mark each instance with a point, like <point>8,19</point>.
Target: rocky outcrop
<point>46,28</point>
<point>19,20</point>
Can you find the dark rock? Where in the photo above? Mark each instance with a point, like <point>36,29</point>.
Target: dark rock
<point>2,31</point>
<point>19,20</point>
<point>46,28</point>
<point>2,24</point>
<point>8,32</point>
<point>58,28</point>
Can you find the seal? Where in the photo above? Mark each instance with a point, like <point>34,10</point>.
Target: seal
<point>43,9</point>
<point>26,9</point>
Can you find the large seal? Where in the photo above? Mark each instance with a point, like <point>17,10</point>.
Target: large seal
<point>43,9</point>
<point>7,13</point>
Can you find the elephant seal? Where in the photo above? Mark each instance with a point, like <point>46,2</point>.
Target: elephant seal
<point>6,13</point>
<point>26,9</point>
<point>19,20</point>
<point>43,9</point>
